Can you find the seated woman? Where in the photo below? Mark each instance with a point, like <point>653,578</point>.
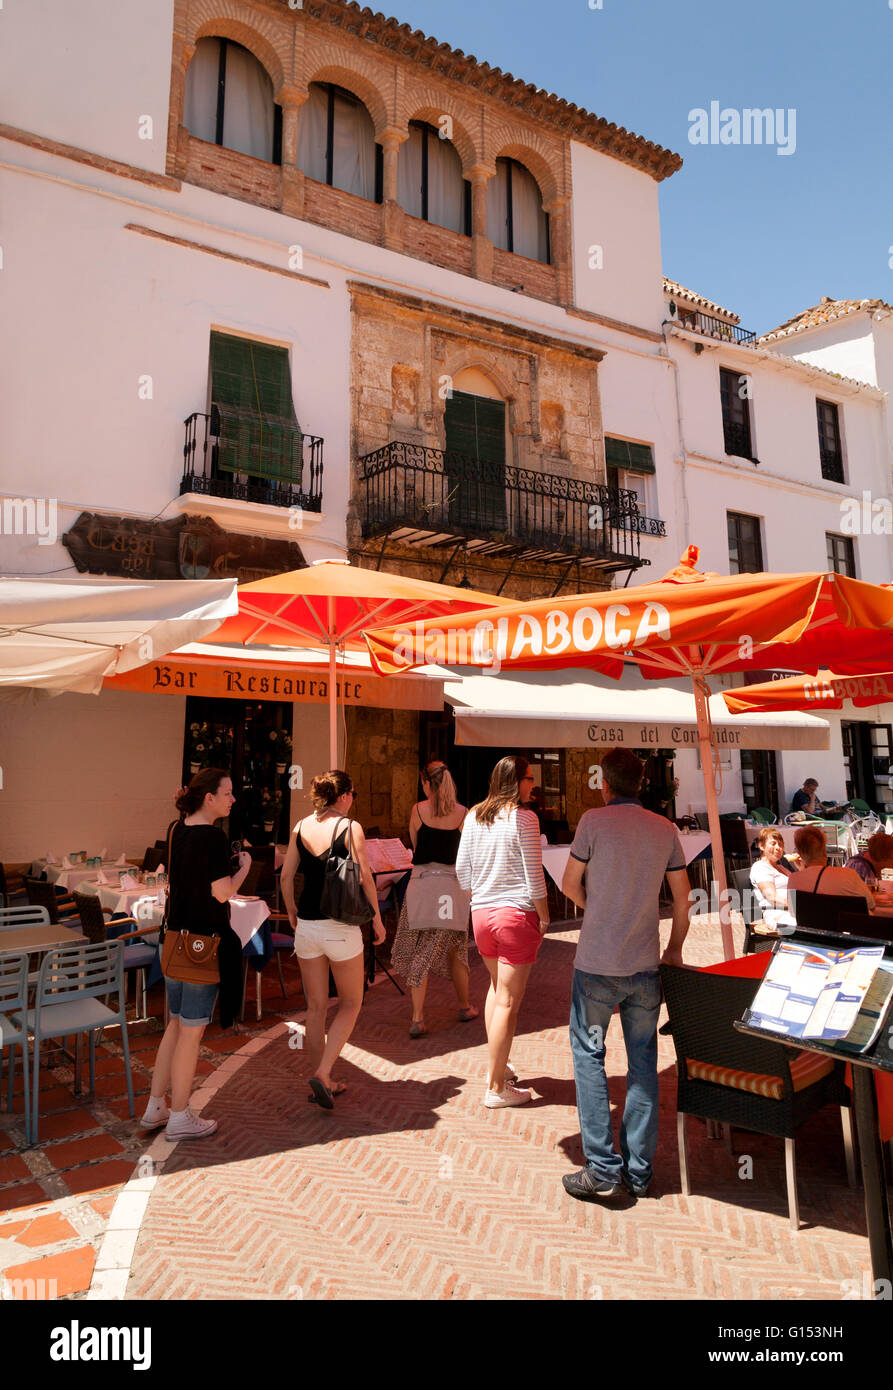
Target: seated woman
<point>770,880</point>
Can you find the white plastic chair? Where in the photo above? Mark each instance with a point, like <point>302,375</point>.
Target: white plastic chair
<point>23,915</point>
<point>13,1002</point>
<point>71,978</point>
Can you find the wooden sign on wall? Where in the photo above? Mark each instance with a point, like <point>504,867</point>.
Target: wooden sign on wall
<point>182,547</point>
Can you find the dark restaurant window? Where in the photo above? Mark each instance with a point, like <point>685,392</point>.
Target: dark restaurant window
<point>745,547</point>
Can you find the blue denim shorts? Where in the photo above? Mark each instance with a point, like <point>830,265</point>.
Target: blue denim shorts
<point>191,1004</point>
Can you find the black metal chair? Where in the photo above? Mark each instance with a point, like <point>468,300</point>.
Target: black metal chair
<point>748,1082</point>
<point>152,858</point>
<point>821,910</point>
<point>60,906</point>
<point>752,914</point>
<point>865,924</point>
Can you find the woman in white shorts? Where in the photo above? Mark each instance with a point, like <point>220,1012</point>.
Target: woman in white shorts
<point>321,942</point>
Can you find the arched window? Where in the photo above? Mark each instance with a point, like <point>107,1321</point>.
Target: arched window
<point>515,217</point>
<point>229,100</point>
<point>429,179</point>
<point>336,142</point>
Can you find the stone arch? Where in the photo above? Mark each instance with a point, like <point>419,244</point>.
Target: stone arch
<point>461,139</point>
<point>360,86</point>
<point>476,368</point>
<point>537,164</point>
<point>220,20</point>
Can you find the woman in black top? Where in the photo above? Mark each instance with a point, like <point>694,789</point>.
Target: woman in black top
<point>321,943</point>
<point>201,886</point>
<point>432,934</point>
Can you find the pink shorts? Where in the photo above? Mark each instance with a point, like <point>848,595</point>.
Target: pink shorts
<point>507,933</point>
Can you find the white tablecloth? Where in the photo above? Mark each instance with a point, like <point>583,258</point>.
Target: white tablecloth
<point>247,915</point>
<point>117,899</point>
<point>555,857</point>
<point>68,878</point>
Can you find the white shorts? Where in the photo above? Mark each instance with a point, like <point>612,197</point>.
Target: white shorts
<point>329,938</point>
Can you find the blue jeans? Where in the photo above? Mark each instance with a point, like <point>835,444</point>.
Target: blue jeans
<point>592,1004</point>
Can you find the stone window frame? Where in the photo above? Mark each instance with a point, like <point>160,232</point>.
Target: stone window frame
<point>482,130</point>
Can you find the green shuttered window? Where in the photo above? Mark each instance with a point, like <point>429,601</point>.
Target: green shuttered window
<point>475,456</point>
<point>632,458</point>
<point>259,434</point>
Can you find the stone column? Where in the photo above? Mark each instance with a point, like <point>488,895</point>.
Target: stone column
<point>177,134</point>
<point>560,247</point>
<point>291,99</point>
<point>390,139</point>
<point>481,245</point>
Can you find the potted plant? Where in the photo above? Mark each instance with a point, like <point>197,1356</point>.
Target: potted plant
<point>281,745</point>
<point>271,808</point>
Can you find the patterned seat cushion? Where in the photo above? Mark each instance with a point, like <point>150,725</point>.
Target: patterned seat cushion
<point>806,1069</point>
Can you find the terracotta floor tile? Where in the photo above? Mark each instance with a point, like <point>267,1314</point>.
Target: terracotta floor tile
<point>97,1176</point>
<point>202,1067</point>
<point>13,1168</point>
<point>224,1042</point>
<point>117,1085</point>
<point>81,1150</point>
<point>121,1109</point>
<point>57,1097</point>
<point>5,1141</point>
<point>58,1275</point>
<point>104,1204</point>
<point>12,1229</point>
<point>108,1065</point>
<point>67,1122</point>
<point>47,1230</point>
<point>28,1194</point>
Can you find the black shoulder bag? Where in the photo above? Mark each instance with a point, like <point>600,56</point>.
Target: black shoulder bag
<point>343,897</point>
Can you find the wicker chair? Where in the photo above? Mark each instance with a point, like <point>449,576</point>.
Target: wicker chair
<point>748,1082</point>
<point>757,936</point>
<point>60,906</point>
<point>821,910</point>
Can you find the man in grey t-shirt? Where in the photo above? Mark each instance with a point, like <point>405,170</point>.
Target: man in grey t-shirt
<point>617,862</point>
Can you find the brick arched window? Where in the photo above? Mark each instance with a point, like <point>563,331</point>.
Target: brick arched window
<point>516,220</point>
<point>229,100</point>
<point>336,142</point>
<point>429,179</point>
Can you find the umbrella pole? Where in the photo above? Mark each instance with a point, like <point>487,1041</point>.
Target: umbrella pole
<point>719,863</point>
<point>333,689</point>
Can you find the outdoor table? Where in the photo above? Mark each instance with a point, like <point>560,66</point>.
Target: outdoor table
<point>70,878</point>
<point>40,938</point>
<point>868,1101</point>
<point>117,899</point>
<point>555,857</point>
<point>787,832</point>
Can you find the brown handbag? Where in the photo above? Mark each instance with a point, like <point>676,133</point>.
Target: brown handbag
<point>188,956</point>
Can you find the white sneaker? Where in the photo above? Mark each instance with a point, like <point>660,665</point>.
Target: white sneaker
<point>159,1118</point>
<point>509,1095</point>
<point>510,1074</point>
<point>188,1125</point>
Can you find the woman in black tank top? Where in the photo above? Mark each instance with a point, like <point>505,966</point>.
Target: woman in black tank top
<point>321,943</point>
<point>432,934</point>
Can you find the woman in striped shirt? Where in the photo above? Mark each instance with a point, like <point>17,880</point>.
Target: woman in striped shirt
<point>500,863</point>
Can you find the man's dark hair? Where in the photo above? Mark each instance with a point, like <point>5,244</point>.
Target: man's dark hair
<point>623,771</point>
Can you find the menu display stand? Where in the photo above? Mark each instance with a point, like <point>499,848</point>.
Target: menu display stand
<point>878,1057</point>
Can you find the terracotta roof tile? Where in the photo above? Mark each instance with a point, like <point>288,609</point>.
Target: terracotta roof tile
<point>677,291</point>
<point>824,312</point>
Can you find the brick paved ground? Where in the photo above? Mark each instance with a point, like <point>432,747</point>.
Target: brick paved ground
<point>412,1189</point>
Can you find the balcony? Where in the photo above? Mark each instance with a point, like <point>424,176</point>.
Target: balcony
<point>712,327</point>
<point>233,459</point>
<point>832,464</point>
<point>434,499</point>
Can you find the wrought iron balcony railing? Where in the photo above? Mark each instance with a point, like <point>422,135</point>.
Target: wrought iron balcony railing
<point>428,497</point>
<point>717,328</point>
<point>736,440</point>
<point>288,475</point>
<point>832,464</point>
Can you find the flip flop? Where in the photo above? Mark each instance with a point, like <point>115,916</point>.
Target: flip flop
<point>468,1015</point>
<point>321,1093</point>
<point>337,1090</point>
<point>417,1029</point>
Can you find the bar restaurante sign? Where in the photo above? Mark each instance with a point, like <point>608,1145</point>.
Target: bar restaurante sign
<point>251,681</point>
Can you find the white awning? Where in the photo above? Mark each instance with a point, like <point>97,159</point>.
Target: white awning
<point>68,633</point>
<point>571,709</point>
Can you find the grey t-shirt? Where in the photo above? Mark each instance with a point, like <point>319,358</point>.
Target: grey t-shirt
<point>626,850</point>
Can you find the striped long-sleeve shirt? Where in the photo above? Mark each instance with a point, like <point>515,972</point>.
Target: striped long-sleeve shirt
<point>501,864</point>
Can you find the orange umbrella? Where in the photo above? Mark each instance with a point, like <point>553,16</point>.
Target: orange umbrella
<point>330,604</point>
<point>824,691</point>
<point>688,623</point>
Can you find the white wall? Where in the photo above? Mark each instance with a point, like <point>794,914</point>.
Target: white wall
<point>87,772</point>
<point>615,207</point>
<point>85,74</point>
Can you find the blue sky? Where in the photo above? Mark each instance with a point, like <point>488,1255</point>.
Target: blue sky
<point>762,233</point>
